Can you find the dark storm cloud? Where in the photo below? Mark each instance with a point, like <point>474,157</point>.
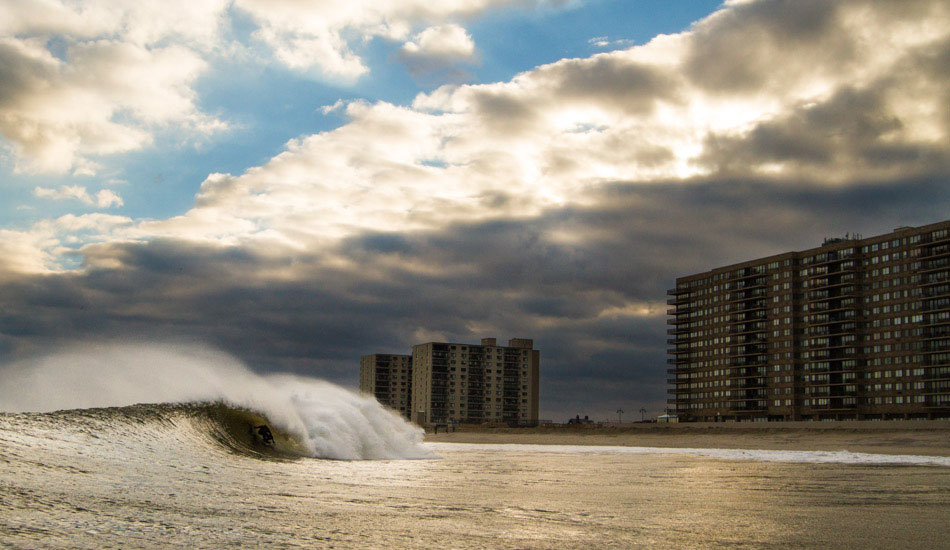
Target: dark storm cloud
<point>504,111</point>
<point>852,128</point>
<point>751,45</point>
<point>18,74</point>
<point>511,279</point>
<point>766,44</point>
<point>611,81</point>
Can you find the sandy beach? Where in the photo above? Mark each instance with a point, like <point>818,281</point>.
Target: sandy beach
<point>907,438</point>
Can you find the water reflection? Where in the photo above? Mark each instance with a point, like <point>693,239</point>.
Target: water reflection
<point>167,493</point>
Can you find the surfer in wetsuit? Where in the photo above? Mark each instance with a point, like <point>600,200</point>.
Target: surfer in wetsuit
<point>267,438</point>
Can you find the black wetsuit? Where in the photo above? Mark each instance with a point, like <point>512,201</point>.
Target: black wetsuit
<point>266,436</point>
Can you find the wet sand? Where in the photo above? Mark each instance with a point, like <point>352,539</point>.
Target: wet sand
<point>930,438</point>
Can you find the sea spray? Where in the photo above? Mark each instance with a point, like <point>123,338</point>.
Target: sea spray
<point>330,421</point>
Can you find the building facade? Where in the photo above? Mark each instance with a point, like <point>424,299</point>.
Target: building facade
<point>388,377</point>
<point>465,383</point>
<point>858,328</point>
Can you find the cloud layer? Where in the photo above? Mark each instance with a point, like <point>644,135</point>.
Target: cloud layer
<point>81,80</point>
<point>559,205</point>
<point>839,110</point>
<point>104,198</point>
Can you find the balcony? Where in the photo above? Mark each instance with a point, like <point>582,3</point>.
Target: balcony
<point>935,278</point>
<point>747,272</point>
<point>746,372</point>
<point>746,329</point>
<point>750,384</point>
<point>746,350</point>
<point>927,266</point>
<point>841,316</point>
<point>931,240</point>
<point>749,316</point>
<point>747,407</point>
<point>748,361</point>
<point>744,295</point>
<point>740,340</point>
<point>934,251</point>
<point>746,284</point>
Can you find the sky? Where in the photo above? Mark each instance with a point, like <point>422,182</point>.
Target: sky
<point>300,183</point>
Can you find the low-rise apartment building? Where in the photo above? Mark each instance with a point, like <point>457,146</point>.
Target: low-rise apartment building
<point>468,383</point>
<point>388,377</point>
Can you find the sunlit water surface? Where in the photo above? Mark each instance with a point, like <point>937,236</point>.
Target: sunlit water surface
<point>68,486</point>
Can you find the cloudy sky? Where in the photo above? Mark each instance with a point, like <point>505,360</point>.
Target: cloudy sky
<point>299,183</point>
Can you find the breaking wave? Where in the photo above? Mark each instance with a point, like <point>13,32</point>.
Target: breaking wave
<point>205,392</point>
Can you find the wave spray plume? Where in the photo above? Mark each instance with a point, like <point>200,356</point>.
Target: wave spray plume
<point>326,420</point>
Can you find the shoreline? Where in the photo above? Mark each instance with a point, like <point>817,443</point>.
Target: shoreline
<point>925,438</point>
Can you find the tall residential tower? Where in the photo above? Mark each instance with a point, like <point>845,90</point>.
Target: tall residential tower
<point>854,329</point>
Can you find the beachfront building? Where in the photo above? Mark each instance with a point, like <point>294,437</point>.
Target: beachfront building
<point>858,328</point>
<point>464,383</point>
<point>388,377</point>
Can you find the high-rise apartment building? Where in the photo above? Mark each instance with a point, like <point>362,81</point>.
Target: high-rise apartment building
<point>454,383</point>
<point>388,377</point>
<point>855,329</point>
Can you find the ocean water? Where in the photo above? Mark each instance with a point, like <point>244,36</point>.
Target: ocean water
<point>186,476</point>
<point>346,473</point>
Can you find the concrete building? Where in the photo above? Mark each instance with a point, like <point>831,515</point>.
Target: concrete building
<point>455,383</point>
<point>388,377</point>
<point>858,328</point>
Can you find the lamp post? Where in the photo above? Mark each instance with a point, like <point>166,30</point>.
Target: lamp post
<point>619,416</point>
<point>642,412</point>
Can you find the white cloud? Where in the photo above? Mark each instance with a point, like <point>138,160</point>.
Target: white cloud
<point>606,42</point>
<point>321,36</point>
<point>449,41</point>
<point>336,106</point>
<point>43,247</point>
<point>26,251</point>
<point>86,79</point>
<point>142,23</point>
<point>678,107</point>
<point>105,198</point>
<point>437,48</point>
<point>544,139</point>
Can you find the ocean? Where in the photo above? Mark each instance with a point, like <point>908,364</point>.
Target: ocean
<point>343,472</point>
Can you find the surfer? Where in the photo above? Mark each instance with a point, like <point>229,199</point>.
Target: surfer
<point>264,434</point>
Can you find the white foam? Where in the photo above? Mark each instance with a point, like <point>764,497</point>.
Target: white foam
<point>812,457</point>
<point>331,421</point>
